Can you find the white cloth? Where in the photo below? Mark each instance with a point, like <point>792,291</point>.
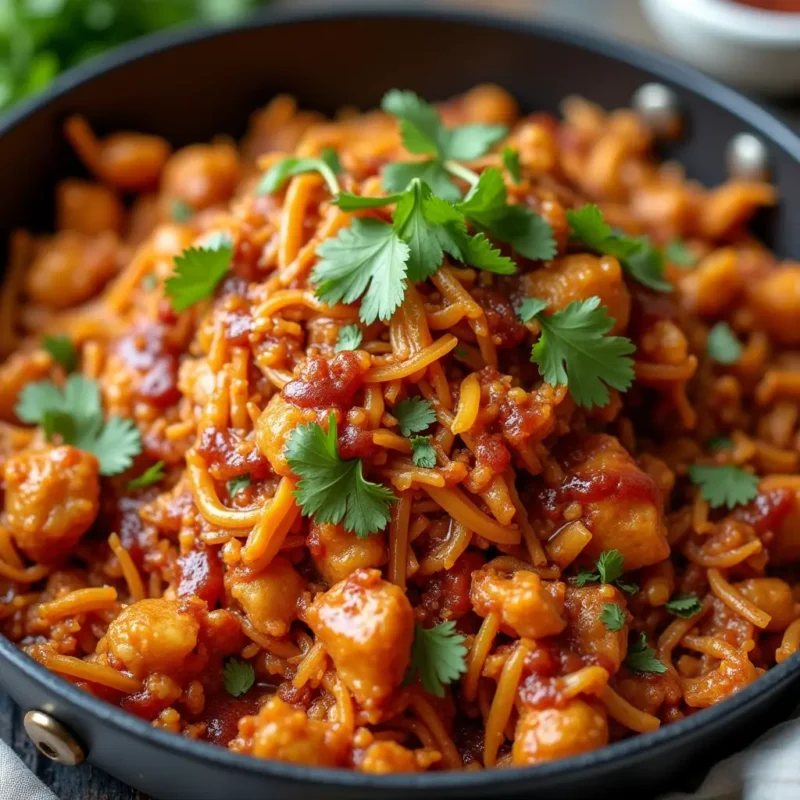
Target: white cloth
<point>767,770</point>
<point>17,782</point>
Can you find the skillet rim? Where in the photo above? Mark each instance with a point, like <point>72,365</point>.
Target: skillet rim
<point>688,79</point>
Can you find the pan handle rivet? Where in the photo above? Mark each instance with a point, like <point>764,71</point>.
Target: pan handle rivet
<point>659,107</point>
<point>52,739</point>
<point>747,157</point>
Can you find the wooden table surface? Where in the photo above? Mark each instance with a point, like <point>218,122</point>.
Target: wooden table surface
<point>617,17</point>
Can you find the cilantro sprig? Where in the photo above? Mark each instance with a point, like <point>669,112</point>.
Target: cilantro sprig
<point>279,173</point>
<point>238,676</point>
<point>643,262</point>
<point>238,484</point>
<point>684,605</point>
<point>575,350</point>
<point>613,617</point>
<point>511,163</point>
<point>62,350</point>
<point>722,345</point>
<point>424,133</point>
<point>724,485</point>
<point>76,415</point>
<point>414,415</point>
<point>151,475</point>
<point>349,338</point>
<point>198,272</point>
<point>677,253</point>
<point>332,489</point>
<point>422,452</point>
<point>642,658</point>
<point>438,656</point>
<point>609,568</point>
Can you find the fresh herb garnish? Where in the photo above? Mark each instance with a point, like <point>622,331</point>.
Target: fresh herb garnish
<point>149,282</point>
<point>678,253</point>
<point>181,211</point>
<point>62,350</point>
<point>643,262</point>
<point>642,657</point>
<point>422,452</point>
<point>414,415</point>
<point>76,415</point>
<point>238,676</point>
<point>438,656</point>
<point>720,443</point>
<point>332,489</point>
<point>726,485</point>
<point>722,345</point>
<point>574,349</point>
<point>349,338</point>
<point>609,568</point>
<point>424,133</point>
<point>612,616</point>
<point>198,272</point>
<point>486,205</point>
<point>151,475</point>
<point>238,484</point>
<point>684,605</point>
<point>367,261</point>
<point>279,173</point>
<point>511,163</point>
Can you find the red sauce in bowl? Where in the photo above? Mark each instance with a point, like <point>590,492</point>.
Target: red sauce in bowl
<point>787,6</point>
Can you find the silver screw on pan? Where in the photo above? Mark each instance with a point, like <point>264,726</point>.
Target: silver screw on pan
<point>658,106</point>
<point>52,739</point>
<point>747,157</point>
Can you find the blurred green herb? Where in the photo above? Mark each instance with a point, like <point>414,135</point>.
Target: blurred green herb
<point>40,38</point>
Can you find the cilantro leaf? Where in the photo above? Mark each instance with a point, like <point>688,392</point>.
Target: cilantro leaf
<point>238,676</point>
<point>481,254</point>
<point>424,133</point>
<point>279,173</point>
<point>398,175</point>
<point>356,202</point>
<point>438,656</point>
<point>486,205</point>
<point>684,605</point>
<point>642,658</point>
<point>726,485</point>
<point>722,345</point>
<point>367,261</point>
<point>237,484</point>
<point>151,475</point>
<point>677,253</point>
<point>530,307</point>
<point>198,272</point>
<point>420,124</point>
<point>612,616</point>
<point>430,227</point>
<point>181,211</point>
<point>511,163</point>
<point>637,256</point>
<point>610,565</point>
<point>76,415</point>
<point>332,489</point>
<point>422,452</point>
<point>115,444</point>
<point>609,569</point>
<point>349,338</point>
<point>720,443</point>
<point>62,351</point>
<point>414,415</point>
<point>575,350</point>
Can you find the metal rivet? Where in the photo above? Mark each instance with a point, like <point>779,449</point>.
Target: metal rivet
<point>52,739</point>
<point>658,106</point>
<point>747,157</point>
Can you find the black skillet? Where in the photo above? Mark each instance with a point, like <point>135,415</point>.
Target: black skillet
<point>189,86</point>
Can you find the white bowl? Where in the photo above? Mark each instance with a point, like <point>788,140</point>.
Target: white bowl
<point>749,47</point>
